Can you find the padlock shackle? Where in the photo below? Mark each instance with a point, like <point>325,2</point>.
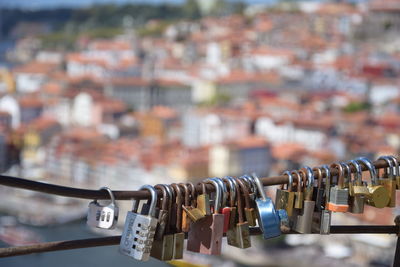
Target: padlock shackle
<point>224,191</point>
<point>245,191</point>
<point>187,193</point>
<point>371,168</point>
<point>299,180</point>
<point>153,199</point>
<point>328,181</point>
<point>290,183</point>
<point>339,167</point>
<point>109,192</point>
<point>232,189</point>
<point>260,187</point>
<point>347,177</point>
<point>396,166</point>
<point>179,202</point>
<point>217,200</point>
<point>170,198</point>
<point>390,163</point>
<point>164,203</point>
<point>309,174</point>
<point>193,193</point>
<point>239,198</point>
<point>251,182</point>
<point>358,174</point>
<point>318,176</point>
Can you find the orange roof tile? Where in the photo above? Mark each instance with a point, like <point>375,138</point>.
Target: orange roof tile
<point>35,67</point>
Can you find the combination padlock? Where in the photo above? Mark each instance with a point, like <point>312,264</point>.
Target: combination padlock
<point>105,217</point>
<point>139,230</point>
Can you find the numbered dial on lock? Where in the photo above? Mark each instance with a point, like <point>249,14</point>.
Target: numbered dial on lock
<point>100,216</point>
<point>139,230</point>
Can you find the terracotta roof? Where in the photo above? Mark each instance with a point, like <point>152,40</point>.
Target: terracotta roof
<point>251,142</point>
<point>288,151</point>
<point>30,102</point>
<point>35,67</point>
<point>110,45</point>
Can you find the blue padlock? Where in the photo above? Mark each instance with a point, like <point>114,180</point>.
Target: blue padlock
<point>269,219</point>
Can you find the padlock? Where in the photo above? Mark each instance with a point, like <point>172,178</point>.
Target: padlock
<point>205,236</point>
<point>162,248</point>
<point>139,230</point>
<point>322,219</point>
<point>285,197</point>
<point>319,192</point>
<point>318,195</point>
<point>388,180</point>
<point>397,171</point>
<point>269,219</point>
<point>163,212</point>
<point>299,194</point>
<point>232,207</point>
<point>304,218</point>
<point>239,236</point>
<point>187,204</point>
<point>357,190</point>
<point>338,195</point>
<point>226,211</point>
<point>326,215</point>
<point>203,201</point>
<point>250,213</point>
<point>253,187</point>
<point>179,236</point>
<point>378,195</point>
<point>105,217</point>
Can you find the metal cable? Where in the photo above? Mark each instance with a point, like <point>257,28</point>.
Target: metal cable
<point>127,195</point>
<point>114,240</point>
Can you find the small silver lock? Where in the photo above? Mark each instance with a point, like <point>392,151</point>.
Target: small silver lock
<point>105,217</point>
<point>139,230</point>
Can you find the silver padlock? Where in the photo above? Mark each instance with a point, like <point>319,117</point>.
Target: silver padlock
<point>326,215</point>
<point>139,230</point>
<point>304,218</point>
<point>105,217</point>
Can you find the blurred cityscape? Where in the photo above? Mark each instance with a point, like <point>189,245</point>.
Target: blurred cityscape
<point>122,95</point>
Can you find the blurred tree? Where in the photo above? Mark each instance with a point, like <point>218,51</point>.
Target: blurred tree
<point>191,9</point>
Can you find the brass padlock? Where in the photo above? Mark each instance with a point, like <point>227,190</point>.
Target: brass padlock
<point>248,210</point>
<point>357,190</point>
<point>299,194</point>
<point>388,180</point>
<point>239,236</point>
<point>179,236</point>
<point>284,198</point>
<point>378,195</point>
<point>203,201</point>
<point>162,248</point>
<point>187,204</point>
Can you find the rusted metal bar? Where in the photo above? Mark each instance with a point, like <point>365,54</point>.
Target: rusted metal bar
<point>127,195</point>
